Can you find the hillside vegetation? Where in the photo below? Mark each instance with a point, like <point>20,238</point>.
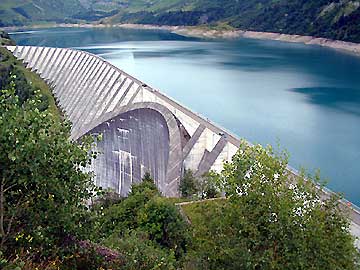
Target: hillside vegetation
<point>26,82</point>
<point>335,19</point>
<point>5,39</point>
<point>263,223</point>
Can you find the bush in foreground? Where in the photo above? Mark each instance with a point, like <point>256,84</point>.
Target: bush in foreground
<point>270,220</point>
<point>146,229</point>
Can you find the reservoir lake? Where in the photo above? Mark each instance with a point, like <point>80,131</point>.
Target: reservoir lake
<point>306,98</point>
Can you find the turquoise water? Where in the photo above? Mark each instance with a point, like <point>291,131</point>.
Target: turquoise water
<point>305,97</point>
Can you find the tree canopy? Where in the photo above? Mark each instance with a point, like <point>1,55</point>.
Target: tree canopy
<point>43,186</point>
<point>271,220</point>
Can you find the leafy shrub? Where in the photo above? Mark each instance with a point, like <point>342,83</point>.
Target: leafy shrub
<point>271,220</point>
<point>6,264</point>
<point>10,72</point>
<point>188,185</point>
<point>207,186</point>
<point>138,252</point>
<point>164,224</point>
<point>122,215</point>
<point>146,229</point>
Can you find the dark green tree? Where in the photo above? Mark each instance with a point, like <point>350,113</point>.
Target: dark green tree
<point>164,224</point>
<point>43,187</point>
<point>146,223</point>
<point>188,185</point>
<point>122,215</point>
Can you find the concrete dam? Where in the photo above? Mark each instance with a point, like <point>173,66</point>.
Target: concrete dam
<point>143,129</point>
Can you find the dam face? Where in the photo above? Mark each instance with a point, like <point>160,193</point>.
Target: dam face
<point>133,143</point>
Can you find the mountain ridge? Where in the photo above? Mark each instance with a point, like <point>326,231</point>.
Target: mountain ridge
<point>333,19</point>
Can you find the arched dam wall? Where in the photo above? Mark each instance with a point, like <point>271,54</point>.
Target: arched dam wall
<point>143,129</point>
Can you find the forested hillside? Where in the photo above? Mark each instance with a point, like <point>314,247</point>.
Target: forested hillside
<point>331,19</point>
<point>336,19</point>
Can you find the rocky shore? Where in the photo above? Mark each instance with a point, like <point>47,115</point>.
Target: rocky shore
<point>350,47</point>
<point>204,32</point>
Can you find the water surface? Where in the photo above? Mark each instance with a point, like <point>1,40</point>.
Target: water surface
<point>305,97</point>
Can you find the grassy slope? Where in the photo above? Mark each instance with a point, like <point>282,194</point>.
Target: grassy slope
<point>32,79</point>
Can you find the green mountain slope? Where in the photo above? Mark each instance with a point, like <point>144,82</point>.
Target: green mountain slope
<point>20,12</point>
<point>336,19</point>
<point>339,19</point>
<point>24,12</point>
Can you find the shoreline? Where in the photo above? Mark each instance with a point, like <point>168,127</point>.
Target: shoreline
<point>208,33</point>
<point>344,46</point>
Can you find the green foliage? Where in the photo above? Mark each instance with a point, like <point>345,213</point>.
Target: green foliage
<point>207,186</point>
<point>5,264</point>
<point>208,243</point>
<point>138,252</point>
<point>164,224</point>
<point>188,185</point>
<point>43,188</point>
<point>5,39</point>
<point>146,229</point>
<point>122,215</point>
<point>268,221</point>
<point>105,199</point>
<point>147,177</point>
<point>26,82</point>
<point>202,188</point>
<point>146,188</point>
<point>9,73</point>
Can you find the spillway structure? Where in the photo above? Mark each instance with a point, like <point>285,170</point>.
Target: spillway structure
<point>143,130</point>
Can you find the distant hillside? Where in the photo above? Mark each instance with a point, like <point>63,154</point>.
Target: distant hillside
<point>339,19</point>
<point>335,19</point>
<point>24,12</point>
<point>20,12</point>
